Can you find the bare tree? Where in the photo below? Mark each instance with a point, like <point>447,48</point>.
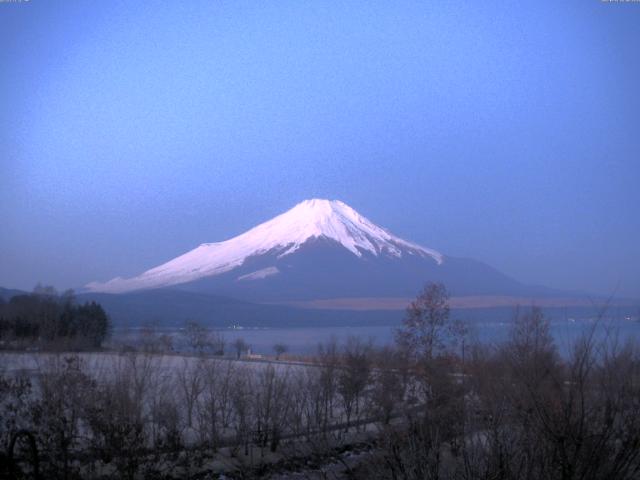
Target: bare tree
<point>149,339</point>
<point>218,343</point>
<point>191,384</point>
<point>301,397</point>
<point>241,394</point>
<point>197,337</point>
<point>328,356</point>
<point>64,385</point>
<point>387,392</point>
<point>279,349</point>
<point>166,343</point>
<point>240,347</point>
<point>354,375</point>
<point>426,330</point>
<point>216,407</point>
<point>116,419</point>
<point>271,406</point>
<point>543,416</point>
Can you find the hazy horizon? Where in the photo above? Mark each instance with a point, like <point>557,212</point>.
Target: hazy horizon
<point>133,132</point>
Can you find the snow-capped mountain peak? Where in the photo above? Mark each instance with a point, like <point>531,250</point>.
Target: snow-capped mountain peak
<point>337,221</point>
<point>283,235</point>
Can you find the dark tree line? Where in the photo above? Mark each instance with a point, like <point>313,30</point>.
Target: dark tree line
<point>45,317</point>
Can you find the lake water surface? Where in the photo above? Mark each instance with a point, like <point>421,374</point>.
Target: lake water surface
<point>304,340</point>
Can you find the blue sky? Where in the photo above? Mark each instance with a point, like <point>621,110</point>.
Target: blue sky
<point>131,132</point>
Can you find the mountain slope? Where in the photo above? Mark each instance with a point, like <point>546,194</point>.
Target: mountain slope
<point>166,307</point>
<point>319,249</point>
<point>279,237</point>
<point>322,269</point>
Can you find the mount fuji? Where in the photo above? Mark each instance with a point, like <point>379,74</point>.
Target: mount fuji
<point>318,250</point>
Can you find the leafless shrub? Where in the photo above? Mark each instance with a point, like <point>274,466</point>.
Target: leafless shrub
<point>216,407</point>
<point>241,396</point>
<point>271,406</point>
<point>353,376</point>
<point>116,419</point>
<point>63,385</point>
<point>388,388</point>
<point>190,381</point>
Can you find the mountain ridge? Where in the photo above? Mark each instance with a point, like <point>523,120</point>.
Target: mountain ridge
<point>282,235</point>
<point>320,250</point>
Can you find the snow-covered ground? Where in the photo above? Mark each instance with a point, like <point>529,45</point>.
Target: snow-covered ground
<point>100,363</point>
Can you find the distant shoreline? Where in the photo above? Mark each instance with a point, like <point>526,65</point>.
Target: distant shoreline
<point>473,301</point>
